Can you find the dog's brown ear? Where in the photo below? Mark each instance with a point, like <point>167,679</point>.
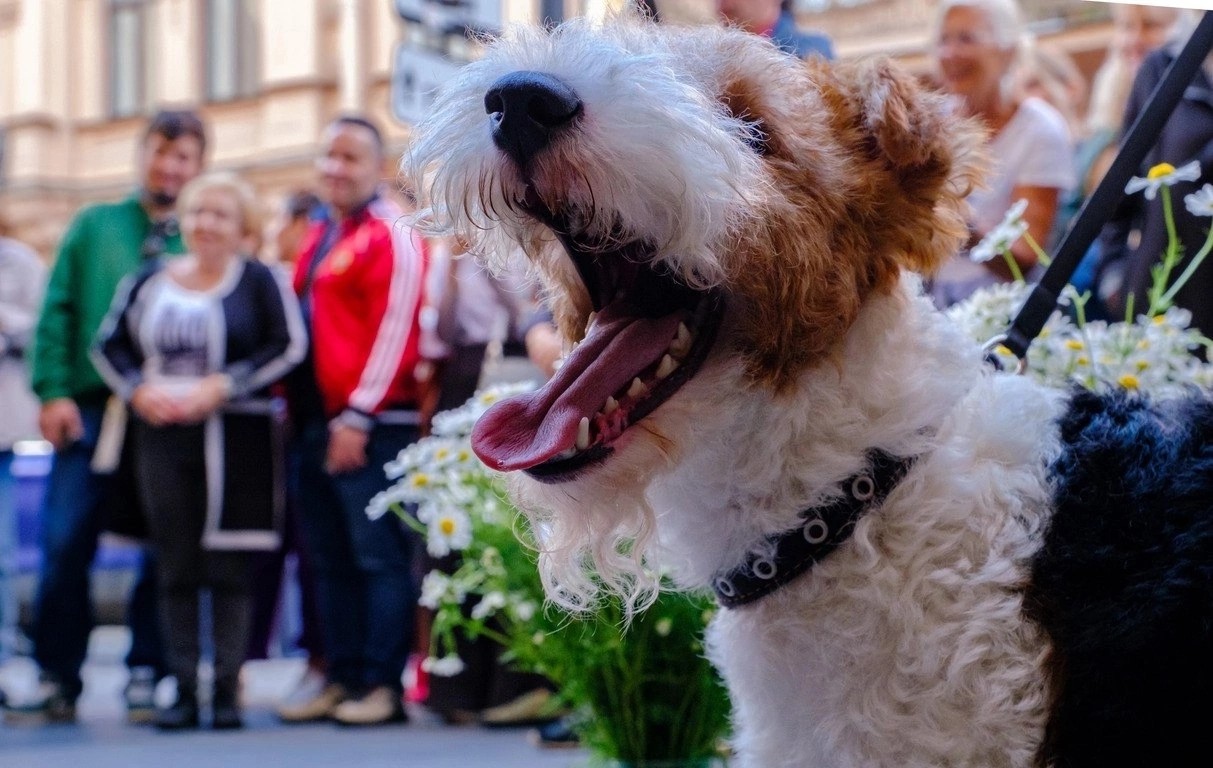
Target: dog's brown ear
<point>933,158</point>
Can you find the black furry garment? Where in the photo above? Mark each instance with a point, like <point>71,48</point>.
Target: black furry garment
<point>1124,585</point>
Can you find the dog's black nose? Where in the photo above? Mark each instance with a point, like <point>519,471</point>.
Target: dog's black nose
<point>526,110</point>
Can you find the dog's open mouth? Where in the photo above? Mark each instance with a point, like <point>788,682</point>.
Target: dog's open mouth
<point>648,336</point>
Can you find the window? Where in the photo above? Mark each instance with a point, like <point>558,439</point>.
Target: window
<point>230,63</point>
<point>127,57</point>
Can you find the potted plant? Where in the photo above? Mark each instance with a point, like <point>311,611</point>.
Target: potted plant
<point>642,693</point>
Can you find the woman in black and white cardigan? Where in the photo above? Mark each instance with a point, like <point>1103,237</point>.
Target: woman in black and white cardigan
<point>192,344</point>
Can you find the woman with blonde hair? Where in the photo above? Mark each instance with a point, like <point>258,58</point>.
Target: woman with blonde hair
<point>977,46</point>
<point>192,344</point>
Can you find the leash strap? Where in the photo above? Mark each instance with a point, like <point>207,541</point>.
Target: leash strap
<point>786,555</point>
<point>1095,211</point>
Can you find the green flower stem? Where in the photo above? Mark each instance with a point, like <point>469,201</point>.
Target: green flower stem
<point>1186,275</point>
<point>1170,259</point>
<point>1041,256</point>
<point>1016,272</point>
<point>1129,307</point>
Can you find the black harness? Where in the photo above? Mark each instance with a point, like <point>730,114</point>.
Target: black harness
<point>786,555</point>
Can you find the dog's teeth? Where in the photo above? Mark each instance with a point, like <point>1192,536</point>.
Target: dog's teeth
<point>666,367</point>
<point>568,453</point>
<point>583,433</point>
<point>590,322</point>
<point>638,389</point>
<point>682,342</point>
<point>611,406</point>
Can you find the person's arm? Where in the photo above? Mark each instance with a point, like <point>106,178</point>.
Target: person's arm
<point>55,332</point>
<point>393,278</point>
<point>283,337</point>
<point>17,319</point>
<point>119,358</point>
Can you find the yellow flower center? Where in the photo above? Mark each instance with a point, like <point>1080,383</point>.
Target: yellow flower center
<point>420,480</point>
<point>1142,365</point>
<point>447,526</point>
<point>1158,319</point>
<point>441,454</point>
<point>1083,361</point>
<point>1160,170</point>
<point>1074,344</point>
<point>1128,381</point>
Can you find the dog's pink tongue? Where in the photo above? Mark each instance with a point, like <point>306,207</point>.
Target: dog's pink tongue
<point>529,429</point>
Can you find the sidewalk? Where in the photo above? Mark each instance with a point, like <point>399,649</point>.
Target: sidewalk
<point>102,739</point>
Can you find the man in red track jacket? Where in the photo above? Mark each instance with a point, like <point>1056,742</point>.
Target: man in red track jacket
<point>359,278</point>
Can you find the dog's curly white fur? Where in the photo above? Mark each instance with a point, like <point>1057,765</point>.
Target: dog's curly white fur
<point>806,197</point>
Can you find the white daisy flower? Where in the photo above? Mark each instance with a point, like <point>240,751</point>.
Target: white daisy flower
<point>1162,175</point>
<point>435,586</point>
<point>1002,237</point>
<point>488,605</point>
<point>450,529</point>
<point>1200,202</point>
<point>524,610</point>
<point>447,666</point>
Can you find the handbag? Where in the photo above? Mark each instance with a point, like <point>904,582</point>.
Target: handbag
<point>113,461</point>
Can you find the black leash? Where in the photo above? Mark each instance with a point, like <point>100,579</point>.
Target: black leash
<point>1137,143</point>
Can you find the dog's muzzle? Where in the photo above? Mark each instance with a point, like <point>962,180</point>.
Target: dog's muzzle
<point>527,110</point>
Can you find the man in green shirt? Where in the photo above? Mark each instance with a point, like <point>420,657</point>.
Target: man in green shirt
<point>103,244</point>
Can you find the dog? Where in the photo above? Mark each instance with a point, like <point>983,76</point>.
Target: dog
<point>921,561</point>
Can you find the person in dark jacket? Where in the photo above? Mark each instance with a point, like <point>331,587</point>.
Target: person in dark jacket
<point>1125,267</point>
<point>193,345</point>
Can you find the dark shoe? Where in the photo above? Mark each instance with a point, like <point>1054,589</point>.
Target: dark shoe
<point>225,708</point>
<point>554,735</point>
<point>180,716</point>
<point>140,695</point>
<point>49,704</point>
<point>227,717</point>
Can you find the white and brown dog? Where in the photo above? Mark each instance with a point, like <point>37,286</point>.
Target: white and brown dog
<point>922,563</point>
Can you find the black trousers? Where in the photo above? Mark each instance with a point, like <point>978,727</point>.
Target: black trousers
<point>171,469</point>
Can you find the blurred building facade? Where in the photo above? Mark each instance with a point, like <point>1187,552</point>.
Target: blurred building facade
<point>77,78</point>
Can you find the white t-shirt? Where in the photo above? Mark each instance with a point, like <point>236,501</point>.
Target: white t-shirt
<point>1032,150</point>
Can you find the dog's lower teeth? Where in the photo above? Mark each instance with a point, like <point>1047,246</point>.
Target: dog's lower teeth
<point>610,406</point>
<point>638,389</point>
<point>583,433</point>
<point>565,454</point>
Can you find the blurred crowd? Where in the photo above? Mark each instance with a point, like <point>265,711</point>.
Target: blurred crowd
<point>226,390</point>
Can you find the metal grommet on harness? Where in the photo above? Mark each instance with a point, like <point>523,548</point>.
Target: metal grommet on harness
<point>816,531</point>
<point>725,587</point>
<point>863,488</point>
<point>764,568</point>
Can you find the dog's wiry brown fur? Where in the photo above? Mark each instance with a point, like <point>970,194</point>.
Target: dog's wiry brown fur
<point>877,188</point>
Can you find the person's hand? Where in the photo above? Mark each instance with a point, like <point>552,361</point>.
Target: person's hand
<point>205,398</point>
<point>544,348</point>
<point>60,422</point>
<point>155,406</point>
<point>346,451</point>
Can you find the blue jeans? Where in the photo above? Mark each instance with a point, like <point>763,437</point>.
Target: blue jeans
<point>365,590</point>
<point>8,555</point>
<point>63,609</point>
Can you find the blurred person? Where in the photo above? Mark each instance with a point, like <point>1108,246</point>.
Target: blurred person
<point>1137,30</point>
<point>774,19</point>
<point>193,345</point>
<point>285,232</point>
<point>1050,74</point>
<point>977,44</point>
<point>22,282</point>
<point>1135,238</point>
<point>103,244</point>
<point>289,226</point>
<point>360,277</point>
